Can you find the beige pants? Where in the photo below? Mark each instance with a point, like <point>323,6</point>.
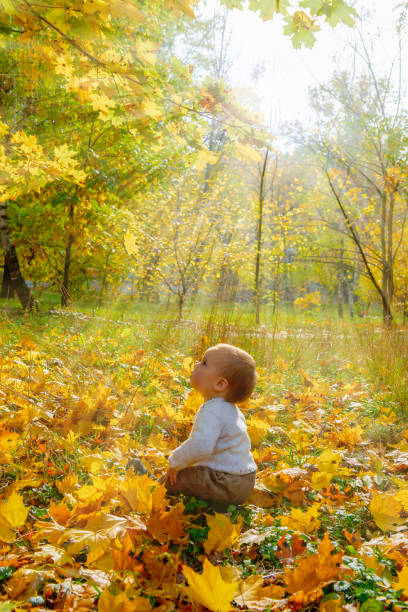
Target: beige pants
<point>219,489</point>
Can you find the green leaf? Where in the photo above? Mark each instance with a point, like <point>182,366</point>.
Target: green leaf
<point>337,11</point>
<point>8,606</point>
<point>6,572</point>
<point>314,6</point>
<point>300,28</point>
<point>7,6</point>
<point>268,8</point>
<point>372,605</point>
<point>231,4</point>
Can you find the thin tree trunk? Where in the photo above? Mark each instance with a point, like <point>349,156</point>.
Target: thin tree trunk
<point>12,264</point>
<point>340,285</point>
<point>259,237</point>
<point>275,287</point>
<point>7,289</point>
<point>180,305</point>
<point>67,262</point>
<point>390,258</point>
<point>103,283</point>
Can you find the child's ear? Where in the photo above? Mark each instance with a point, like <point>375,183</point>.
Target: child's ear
<point>221,384</point>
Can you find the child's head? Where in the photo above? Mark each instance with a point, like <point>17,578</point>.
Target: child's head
<point>225,371</point>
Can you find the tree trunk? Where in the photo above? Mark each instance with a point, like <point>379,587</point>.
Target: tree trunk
<point>103,283</point>
<point>12,264</point>
<point>67,262</point>
<point>181,297</point>
<point>386,286</point>
<point>259,237</point>
<point>340,285</point>
<point>275,287</point>
<point>7,289</point>
<point>340,309</point>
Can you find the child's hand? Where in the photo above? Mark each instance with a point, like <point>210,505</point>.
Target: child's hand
<point>171,476</point>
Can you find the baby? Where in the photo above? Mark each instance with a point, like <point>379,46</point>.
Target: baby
<point>215,463</point>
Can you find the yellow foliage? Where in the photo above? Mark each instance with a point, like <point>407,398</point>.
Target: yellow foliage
<point>222,533</point>
<point>253,595</point>
<point>306,522</point>
<point>387,511</point>
<point>13,514</point>
<point>402,582</point>
<point>257,430</point>
<point>315,570</point>
<point>209,589</point>
<point>308,301</point>
<point>138,492</point>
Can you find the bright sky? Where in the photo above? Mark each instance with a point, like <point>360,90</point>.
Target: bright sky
<point>283,87</point>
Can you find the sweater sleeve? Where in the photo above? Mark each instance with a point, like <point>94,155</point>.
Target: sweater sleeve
<point>201,441</point>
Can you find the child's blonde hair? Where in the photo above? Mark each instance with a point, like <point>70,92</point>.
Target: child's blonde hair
<point>238,367</point>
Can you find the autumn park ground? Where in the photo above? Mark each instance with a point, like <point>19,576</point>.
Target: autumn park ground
<point>86,388</point>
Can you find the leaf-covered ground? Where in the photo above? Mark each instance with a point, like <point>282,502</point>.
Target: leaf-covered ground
<point>326,527</point>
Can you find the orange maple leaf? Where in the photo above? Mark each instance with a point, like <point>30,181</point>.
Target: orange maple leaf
<point>314,571</point>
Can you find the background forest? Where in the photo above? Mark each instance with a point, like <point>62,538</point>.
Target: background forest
<point>163,184</point>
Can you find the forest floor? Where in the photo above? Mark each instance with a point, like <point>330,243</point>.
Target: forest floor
<point>325,528</point>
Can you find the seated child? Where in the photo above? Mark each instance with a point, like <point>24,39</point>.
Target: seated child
<point>215,463</point>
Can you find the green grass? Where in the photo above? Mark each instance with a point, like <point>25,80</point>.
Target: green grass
<point>318,345</point>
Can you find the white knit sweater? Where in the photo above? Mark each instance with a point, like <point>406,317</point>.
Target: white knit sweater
<point>218,439</point>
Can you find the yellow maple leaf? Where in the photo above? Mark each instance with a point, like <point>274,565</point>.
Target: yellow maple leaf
<point>306,522</point>
<point>151,109</point>
<point>223,533</point>
<point>182,6</point>
<point>13,513</point>
<point>350,436</point>
<point>65,155</point>
<point>67,484</point>
<point>247,153</point>
<point>257,430</point>
<point>315,570</point>
<point>130,241</point>
<point>278,481</point>
<point>386,510</point>
<point>95,463</point>
<point>209,589</point>
<point>328,461</point>
<point>13,510</point>
<point>205,157</point>
<point>4,128</point>
<point>28,143</point>
<point>187,365</point>
<point>124,8</point>
<point>121,603</point>
<point>255,596</point>
<point>98,534</point>
<point>402,496</point>
<point>146,51</point>
<point>137,491</point>
<point>402,581</point>
<point>8,441</point>
<point>321,480</point>
<point>166,525</point>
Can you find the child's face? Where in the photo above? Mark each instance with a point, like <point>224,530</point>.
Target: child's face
<point>206,377</point>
